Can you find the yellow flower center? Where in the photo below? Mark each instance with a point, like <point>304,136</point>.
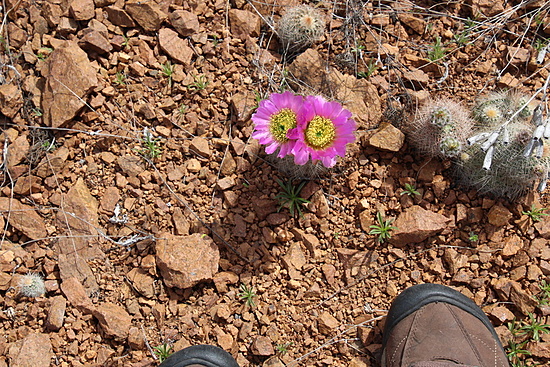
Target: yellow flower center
<point>320,133</point>
<point>492,113</point>
<point>280,124</point>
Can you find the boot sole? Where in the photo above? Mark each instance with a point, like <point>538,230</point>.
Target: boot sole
<point>418,296</point>
<point>206,355</point>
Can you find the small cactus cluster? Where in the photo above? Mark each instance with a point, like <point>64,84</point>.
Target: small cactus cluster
<point>502,155</point>
<point>441,129</point>
<point>31,285</point>
<point>300,27</point>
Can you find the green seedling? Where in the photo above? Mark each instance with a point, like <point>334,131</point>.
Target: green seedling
<point>534,328</point>
<point>182,109</point>
<point>282,349</point>
<point>168,70</point>
<point>544,297</point>
<point>371,68</point>
<point>358,47</point>
<point>120,78</point>
<point>151,148</point>
<point>290,197</point>
<point>126,41</point>
<point>200,83</point>
<point>515,351</point>
<point>248,294</point>
<point>163,351</point>
<point>437,51</point>
<point>462,38</point>
<point>536,214</point>
<point>409,190</point>
<point>382,229</point>
<point>37,112</point>
<point>48,146</point>
<point>215,40</point>
<point>513,326</point>
<point>473,237</point>
<point>44,52</point>
<point>540,44</point>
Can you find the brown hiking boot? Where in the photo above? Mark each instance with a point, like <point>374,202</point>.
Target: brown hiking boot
<point>430,325</point>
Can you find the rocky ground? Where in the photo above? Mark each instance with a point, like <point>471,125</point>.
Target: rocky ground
<point>132,186</point>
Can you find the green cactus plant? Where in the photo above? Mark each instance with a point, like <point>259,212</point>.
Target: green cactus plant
<point>300,27</point>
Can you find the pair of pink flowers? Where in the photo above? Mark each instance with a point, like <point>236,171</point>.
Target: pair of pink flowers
<point>307,128</point>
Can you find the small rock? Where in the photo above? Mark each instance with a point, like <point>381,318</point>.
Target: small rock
<point>539,349</point>
<point>226,183</point>
<point>80,202</point>
<point>186,23</point>
<point>56,313</point>
<point>76,294</point>
<point>387,137</point>
<point>186,260</point>
<point>263,208</point>
<point>147,14</point>
<point>499,215</point>
<point>95,41</point>
<point>512,245</point>
<point>508,81</point>
<point>136,339</point>
<point>243,104</point>
<point>416,224</point>
<point>201,147</point>
<point>262,346</point>
<point>326,323</point>
<point>365,219</point>
<point>487,8</point>
<point>67,65</point>
<point>501,314</point>
<point>222,279</point>
<point>82,9</point>
<point>129,164</point>
<point>523,301</point>
<point>416,24</point>
<point>25,185</point>
<point>34,350</point>
<point>24,218</point>
<point>193,165</point>
<point>113,320</point>
<point>454,260</point>
<point>142,281</point>
<point>244,23</point>
<point>119,17</point>
<point>175,46</point>
<point>11,100</point>
<point>295,257</point>
<point>417,77</point>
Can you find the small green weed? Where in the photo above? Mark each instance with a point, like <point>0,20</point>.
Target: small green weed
<point>151,148</point>
<point>473,237</point>
<point>248,294</point>
<point>37,112</point>
<point>200,83</point>
<point>126,41</point>
<point>544,297</point>
<point>371,68</point>
<point>462,38</point>
<point>534,328</point>
<point>437,51</point>
<point>513,326</point>
<point>409,190</point>
<point>44,52</point>
<point>540,44</point>
<point>215,40</point>
<point>536,214</point>
<point>182,109</point>
<point>48,146</point>
<point>515,352</point>
<point>289,197</point>
<point>382,229</point>
<point>282,348</point>
<point>163,351</point>
<point>358,47</point>
<point>120,78</point>
<point>168,70</point>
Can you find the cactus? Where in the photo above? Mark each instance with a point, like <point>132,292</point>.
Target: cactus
<point>440,129</point>
<point>309,171</point>
<point>300,27</point>
<point>498,107</point>
<point>31,285</point>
